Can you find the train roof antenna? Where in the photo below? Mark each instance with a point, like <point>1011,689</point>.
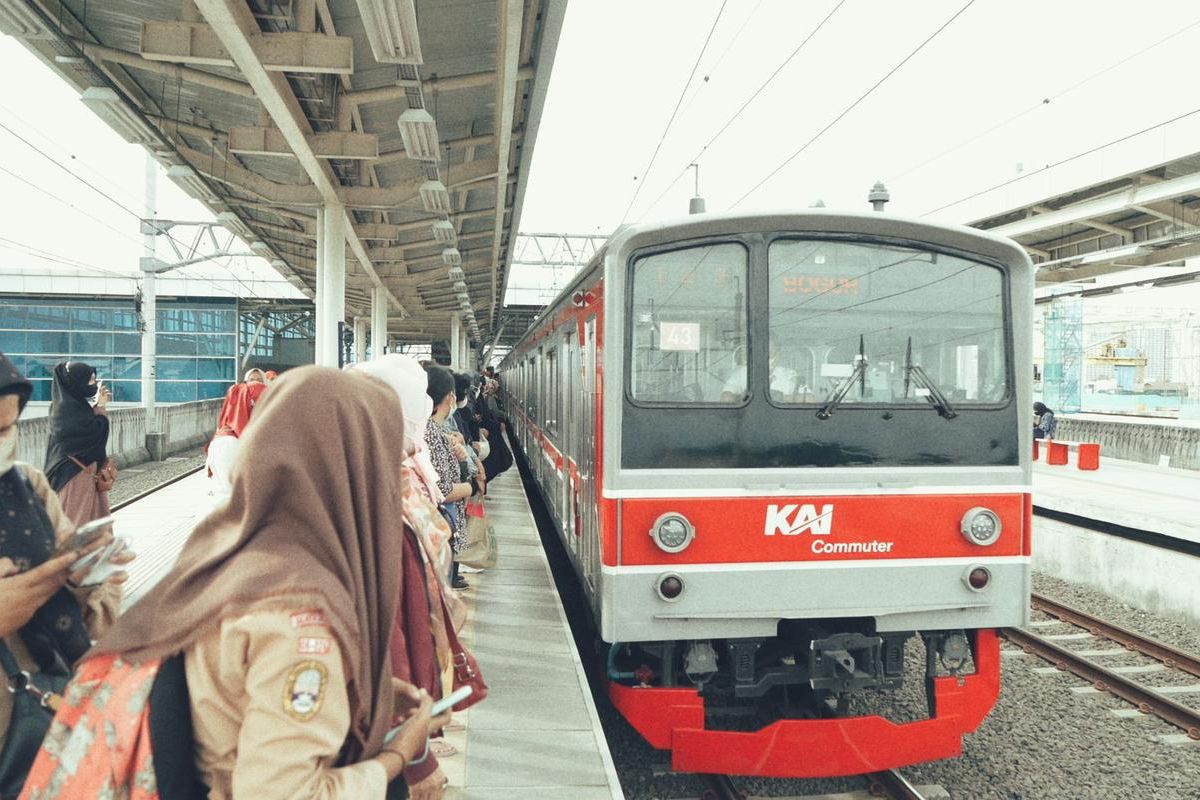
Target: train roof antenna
<point>696,204</point>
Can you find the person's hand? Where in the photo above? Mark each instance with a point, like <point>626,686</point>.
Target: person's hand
<point>503,428</point>
<point>22,594</point>
<point>102,397</point>
<point>460,452</point>
<point>477,446</point>
<point>406,699</point>
<point>121,559</point>
<point>432,787</point>
<point>485,433</point>
<point>411,738</point>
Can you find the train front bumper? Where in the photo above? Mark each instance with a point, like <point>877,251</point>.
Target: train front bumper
<point>723,601</point>
<point>673,719</point>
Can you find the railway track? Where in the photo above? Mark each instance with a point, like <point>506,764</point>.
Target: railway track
<point>1144,698</point>
<point>888,784</point>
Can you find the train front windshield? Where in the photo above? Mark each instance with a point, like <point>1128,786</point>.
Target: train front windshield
<point>844,332</point>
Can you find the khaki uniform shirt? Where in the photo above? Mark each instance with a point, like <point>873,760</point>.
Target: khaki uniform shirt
<point>100,603</point>
<point>271,711</point>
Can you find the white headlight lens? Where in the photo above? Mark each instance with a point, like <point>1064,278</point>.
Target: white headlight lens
<point>981,526</point>
<point>672,532</point>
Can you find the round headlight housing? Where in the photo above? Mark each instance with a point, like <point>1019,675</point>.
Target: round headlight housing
<point>981,526</point>
<point>672,532</point>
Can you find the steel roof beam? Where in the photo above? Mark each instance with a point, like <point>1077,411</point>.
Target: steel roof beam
<point>509,17</point>
<point>1098,207</point>
<point>291,51</point>
<point>267,141</point>
<point>235,27</point>
<point>185,74</point>
<point>398,90</point>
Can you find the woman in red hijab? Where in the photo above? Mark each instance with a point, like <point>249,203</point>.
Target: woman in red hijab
<point>223,449</point>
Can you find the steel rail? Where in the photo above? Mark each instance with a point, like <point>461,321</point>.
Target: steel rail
<point>1131,640</point>
<point>892,784</point>
<point>142,495</point>
<point>1144,698</point>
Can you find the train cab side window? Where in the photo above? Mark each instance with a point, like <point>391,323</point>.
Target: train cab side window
<point>896,324</point>
<point>688,326</point>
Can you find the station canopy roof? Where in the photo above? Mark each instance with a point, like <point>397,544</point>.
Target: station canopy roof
<point>1147,218</point>
<point>418,116</point>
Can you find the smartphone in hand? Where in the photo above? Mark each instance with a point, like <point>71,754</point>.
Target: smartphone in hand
<point>84,535</point>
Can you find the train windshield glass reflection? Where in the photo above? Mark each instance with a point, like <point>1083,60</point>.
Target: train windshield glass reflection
<point>689,325</point>
<point>912,314</point>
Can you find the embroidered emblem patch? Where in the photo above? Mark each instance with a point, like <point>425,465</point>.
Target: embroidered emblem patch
<point>309,646</point>
<point>305,690</point>
<point>304,619</point>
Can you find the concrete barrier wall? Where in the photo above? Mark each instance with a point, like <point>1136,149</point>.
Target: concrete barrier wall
<point>1146,442</point>
<point>184,426</point>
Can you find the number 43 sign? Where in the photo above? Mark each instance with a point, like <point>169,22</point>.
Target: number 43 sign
<point>683,336</point>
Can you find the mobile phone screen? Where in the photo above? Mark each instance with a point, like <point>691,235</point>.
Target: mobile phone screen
<point>86,534</point>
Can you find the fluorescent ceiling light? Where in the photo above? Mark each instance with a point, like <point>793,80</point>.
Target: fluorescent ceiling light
<point>443,231</point>
<point>262,248</point>
<point>186,178</point>
<point>419,133</point>
<point>108,106</point>
<point>391,27</point>
<point>451,257</point>
<point>460,286</point>
<point>434,197</point>
<point>278,263</point>
<point>456,274</point>
<point>1111,255</point>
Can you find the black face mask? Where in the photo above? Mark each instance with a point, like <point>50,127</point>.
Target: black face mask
<point>90,390</point>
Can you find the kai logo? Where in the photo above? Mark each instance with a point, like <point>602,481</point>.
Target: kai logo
<point>794,519</point>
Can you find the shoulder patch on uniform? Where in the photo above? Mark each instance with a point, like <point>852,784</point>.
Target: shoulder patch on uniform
<point>306,619</point>
<point>305,690</point>
<point>313,646</point>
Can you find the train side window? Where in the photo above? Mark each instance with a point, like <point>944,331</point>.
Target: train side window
<point>688,326</point>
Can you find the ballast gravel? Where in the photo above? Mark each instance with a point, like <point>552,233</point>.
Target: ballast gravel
<point>1042,741</point>
<point>134,480</point>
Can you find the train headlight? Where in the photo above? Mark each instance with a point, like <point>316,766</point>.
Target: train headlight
<point>981,526</point>
<point>672,532</point>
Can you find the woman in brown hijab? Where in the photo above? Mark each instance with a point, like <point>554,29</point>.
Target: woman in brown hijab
<point>283,602</point>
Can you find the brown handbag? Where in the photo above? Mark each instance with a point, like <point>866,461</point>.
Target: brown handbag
<point>105,475</point>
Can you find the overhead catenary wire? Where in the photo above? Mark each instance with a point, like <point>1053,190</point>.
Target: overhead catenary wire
<point>124,234</point>
<point>854,104</point>
<point>746,104</point>
<point>674,112</point>
<point>1039,104</point>
<point>1066,160</point>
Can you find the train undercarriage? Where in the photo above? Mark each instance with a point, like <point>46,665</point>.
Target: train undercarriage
<point>799,704</point>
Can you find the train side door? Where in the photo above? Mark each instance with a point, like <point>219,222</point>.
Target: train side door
<point>589,492</point>
<point>567,425</point>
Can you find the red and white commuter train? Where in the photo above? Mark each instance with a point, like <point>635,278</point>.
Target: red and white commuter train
<point>781,451</point>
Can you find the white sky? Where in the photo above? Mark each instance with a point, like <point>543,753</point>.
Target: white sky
<point>621,65</point>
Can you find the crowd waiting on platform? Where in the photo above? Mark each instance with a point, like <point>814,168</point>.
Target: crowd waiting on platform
<point>299,643</point>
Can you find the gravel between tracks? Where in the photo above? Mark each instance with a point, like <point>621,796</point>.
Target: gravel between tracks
<point>1041,742</point>
<point>143,477</point>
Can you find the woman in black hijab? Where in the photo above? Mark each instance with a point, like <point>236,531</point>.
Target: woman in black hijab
<point>78,441</point>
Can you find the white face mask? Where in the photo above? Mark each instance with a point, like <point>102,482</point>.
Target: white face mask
<point>8,450</point>
<point>463,404</point>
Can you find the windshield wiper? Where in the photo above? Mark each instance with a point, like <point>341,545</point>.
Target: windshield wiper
<point>859,373</point>
<point>934,394</point>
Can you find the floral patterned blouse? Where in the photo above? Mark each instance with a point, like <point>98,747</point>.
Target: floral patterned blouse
<point>447,469</point>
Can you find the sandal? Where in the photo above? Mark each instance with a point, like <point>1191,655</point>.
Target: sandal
<point>442,749</point>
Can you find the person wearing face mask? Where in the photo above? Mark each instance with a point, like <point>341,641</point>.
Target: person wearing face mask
<point>445,456</point>
<point>78,441</point>
<point>46,625</point>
